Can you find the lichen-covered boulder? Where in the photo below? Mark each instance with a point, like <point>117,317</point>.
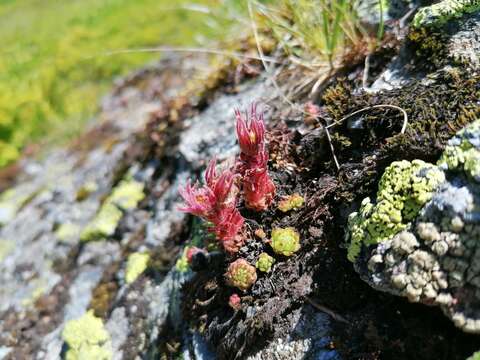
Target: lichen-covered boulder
<point>435,258</point>
<point>441,37</point>
<point>441,12</point>
<point>403,189</point>
<point>462,152</point>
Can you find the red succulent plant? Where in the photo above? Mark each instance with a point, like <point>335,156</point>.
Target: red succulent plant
<point>258,187</point>
<point>216,200</point>
<point>235,302</point>
<point>192,251</point>
<point>250,132</point>
<point>216,203</point>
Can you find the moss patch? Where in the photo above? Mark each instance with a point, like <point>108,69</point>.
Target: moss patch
<point>52,88</point>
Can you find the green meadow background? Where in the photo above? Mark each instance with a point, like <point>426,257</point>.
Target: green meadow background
<point>53,67</point>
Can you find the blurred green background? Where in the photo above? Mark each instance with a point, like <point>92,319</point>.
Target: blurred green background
<point>52,71</point>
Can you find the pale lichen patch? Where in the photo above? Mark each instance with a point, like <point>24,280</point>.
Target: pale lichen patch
<point>87,338</point>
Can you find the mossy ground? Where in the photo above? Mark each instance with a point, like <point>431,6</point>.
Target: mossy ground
<point>52,67</point>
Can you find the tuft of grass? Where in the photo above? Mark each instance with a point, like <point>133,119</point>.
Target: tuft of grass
<point>320,31</point>
<point>52,71</point>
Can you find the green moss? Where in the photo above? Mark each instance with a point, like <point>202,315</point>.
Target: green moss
<point>436,111</point>
<point>285,241</point>
<point>403,189</point>
<point>136,265</point>
<point>6,247</point>
<point>440,13</point>
<point>125,196</point>
<point>264,262</point>
<point>87,338</point>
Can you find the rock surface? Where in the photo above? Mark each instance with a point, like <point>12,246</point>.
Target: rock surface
<point>92,242</point>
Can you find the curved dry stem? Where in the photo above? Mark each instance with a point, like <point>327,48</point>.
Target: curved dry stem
<point>402,131</point>
<point>327,311</point>
<point>262,57</point>
<point>233,54</point>
<point>206,302</point>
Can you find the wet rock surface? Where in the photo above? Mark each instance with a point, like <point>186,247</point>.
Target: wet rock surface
<point>92,242</point>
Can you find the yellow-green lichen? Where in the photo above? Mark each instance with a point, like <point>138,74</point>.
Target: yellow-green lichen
<point>462,152</point>
<point>6,247</point>
<point>264,262</point>
<point>285,241</point>
<point>104,223</point>
<point>440,13</point>
<point>11,201</point>
<point>127,194</point>
<point>38,290</point>
<point>85,191</point>
<point>87,338</point>
<point>403,189</point>
<point>124,197</point>
<point>67,232</point>
<point>136,265</point>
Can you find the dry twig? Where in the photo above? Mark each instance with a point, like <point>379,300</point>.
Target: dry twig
<point>402,131</point>
<point>326,310</point>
